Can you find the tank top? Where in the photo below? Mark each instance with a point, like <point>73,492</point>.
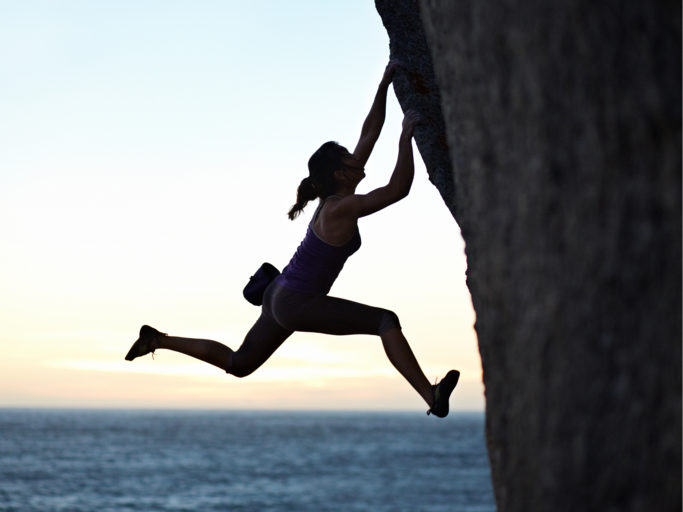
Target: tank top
<point>316,264</point>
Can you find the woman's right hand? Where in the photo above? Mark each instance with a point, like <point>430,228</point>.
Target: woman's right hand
<point>410,121</point>
<point>391,69</point>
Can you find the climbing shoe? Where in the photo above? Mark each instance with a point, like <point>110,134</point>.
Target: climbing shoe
<point>143,345</point>
<point>441,392</point>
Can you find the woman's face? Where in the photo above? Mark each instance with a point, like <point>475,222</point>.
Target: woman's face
<point>353,171</point>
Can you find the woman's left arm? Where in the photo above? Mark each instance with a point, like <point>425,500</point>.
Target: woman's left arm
<point>339,219</point>
<point>352,207</point>
<point>373,124</point>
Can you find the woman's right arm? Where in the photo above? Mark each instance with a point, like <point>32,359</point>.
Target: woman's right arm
<point>357,206</point>
<point>373,124</point>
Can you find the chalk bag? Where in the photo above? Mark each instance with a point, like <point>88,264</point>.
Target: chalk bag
<point>258,283</point>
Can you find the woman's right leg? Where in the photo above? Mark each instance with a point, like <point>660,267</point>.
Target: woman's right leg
<point>209,351</point>
<point>261,341</point>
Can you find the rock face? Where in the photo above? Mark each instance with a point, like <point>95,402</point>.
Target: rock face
<point>416,89</point>
<point>563,121</point>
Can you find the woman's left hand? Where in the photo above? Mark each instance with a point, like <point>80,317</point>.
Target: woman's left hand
<point>410,121</point>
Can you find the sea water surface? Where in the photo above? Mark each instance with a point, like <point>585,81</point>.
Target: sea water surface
<point>88,460</point>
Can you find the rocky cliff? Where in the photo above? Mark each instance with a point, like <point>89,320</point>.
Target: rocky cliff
<point>563,125</point>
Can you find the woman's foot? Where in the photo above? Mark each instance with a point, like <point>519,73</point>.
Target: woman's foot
<point>145,343</point>
<point>442,392</point>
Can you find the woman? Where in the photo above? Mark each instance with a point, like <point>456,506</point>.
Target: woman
<point>297,300</point>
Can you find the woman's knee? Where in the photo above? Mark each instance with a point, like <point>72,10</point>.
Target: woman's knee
<point>240,371</point>
<point>388,321</point>
<point>256,350</point>
<point>241,366</point>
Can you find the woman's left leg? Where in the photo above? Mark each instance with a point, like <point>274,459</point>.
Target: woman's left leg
<point>331,315</point>
<point>401,356</point>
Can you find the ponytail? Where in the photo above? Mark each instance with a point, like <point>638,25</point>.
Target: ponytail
<point>320,182</point>
<point>305,193</point>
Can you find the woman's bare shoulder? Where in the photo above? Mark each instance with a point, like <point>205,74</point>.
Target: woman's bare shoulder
<point>337,207</point>
<point>334,225</point>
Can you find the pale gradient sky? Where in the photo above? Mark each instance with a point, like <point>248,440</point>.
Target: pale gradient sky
<point>149,151</point>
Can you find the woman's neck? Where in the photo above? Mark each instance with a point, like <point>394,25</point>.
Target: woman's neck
<point>345,191</point>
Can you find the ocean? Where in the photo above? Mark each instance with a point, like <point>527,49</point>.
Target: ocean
<point>114,460</point>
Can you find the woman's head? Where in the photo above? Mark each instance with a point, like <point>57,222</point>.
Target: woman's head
<point>321,181</point>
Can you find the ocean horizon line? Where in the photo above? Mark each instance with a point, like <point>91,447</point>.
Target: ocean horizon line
<point>222,410</point>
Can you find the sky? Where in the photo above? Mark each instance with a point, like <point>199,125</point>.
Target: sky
<point>149,153</point>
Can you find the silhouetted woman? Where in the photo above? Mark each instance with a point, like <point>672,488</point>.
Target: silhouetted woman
<point>297,300</point>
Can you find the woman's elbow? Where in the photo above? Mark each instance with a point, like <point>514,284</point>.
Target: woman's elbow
<point>401,193</point>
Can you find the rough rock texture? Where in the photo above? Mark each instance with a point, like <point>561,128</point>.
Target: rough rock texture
<point>564,123</point>
<point>416,89</point>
